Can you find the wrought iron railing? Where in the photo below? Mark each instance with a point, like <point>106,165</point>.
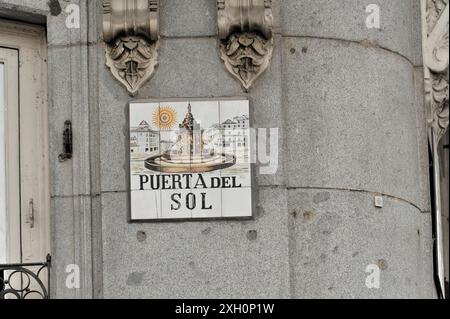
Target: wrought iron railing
<point>20,281</point>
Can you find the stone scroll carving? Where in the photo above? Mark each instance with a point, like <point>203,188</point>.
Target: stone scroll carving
<point>245,37</point>
<point>131,32</point>
<point>436,62</point>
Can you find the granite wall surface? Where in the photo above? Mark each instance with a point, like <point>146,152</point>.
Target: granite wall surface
<point>349,106</point>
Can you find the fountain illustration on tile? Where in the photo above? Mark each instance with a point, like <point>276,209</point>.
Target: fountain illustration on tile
<point>189,152</point>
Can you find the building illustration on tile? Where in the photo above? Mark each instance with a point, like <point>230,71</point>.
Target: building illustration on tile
<point>143,139</point>
<point>190,155</point>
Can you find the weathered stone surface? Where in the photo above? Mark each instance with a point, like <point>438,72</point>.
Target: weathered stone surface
<point>59,112</point>
<point>332,243</point>
<point>63,246</point>
<point>197,260</point>
<point>350,116</point>
<point>266,107</point>
<point>195,18</point>
<point>59,34</point>
<point>71,253</point>
<point>346,20</point>
<point>188,18</point>
<point>351,120</point>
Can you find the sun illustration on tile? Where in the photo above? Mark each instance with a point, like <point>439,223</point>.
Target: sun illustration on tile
<point>165,118</point>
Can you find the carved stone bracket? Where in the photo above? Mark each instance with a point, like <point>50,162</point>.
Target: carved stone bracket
<point>131,31</point>
<point>436,62</point>
<point>245,37</point>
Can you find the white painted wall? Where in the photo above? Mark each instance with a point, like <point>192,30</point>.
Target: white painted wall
<point>2,168</point>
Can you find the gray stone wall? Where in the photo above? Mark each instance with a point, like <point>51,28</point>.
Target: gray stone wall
<point>348,102</point>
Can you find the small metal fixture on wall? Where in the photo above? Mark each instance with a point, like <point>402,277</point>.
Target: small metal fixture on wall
<point>131,32</point>
<point>245,37</point>
<point>67,142</point>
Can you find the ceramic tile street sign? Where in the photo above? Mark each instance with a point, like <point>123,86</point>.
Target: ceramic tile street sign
<point>190,160</point>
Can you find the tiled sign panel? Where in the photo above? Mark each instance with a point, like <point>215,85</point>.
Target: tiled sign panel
<point>190,160</point>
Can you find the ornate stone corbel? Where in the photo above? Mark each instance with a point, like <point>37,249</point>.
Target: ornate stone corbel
<point>131,32</point>
<point>245,37</point>
<point>436,63</point>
